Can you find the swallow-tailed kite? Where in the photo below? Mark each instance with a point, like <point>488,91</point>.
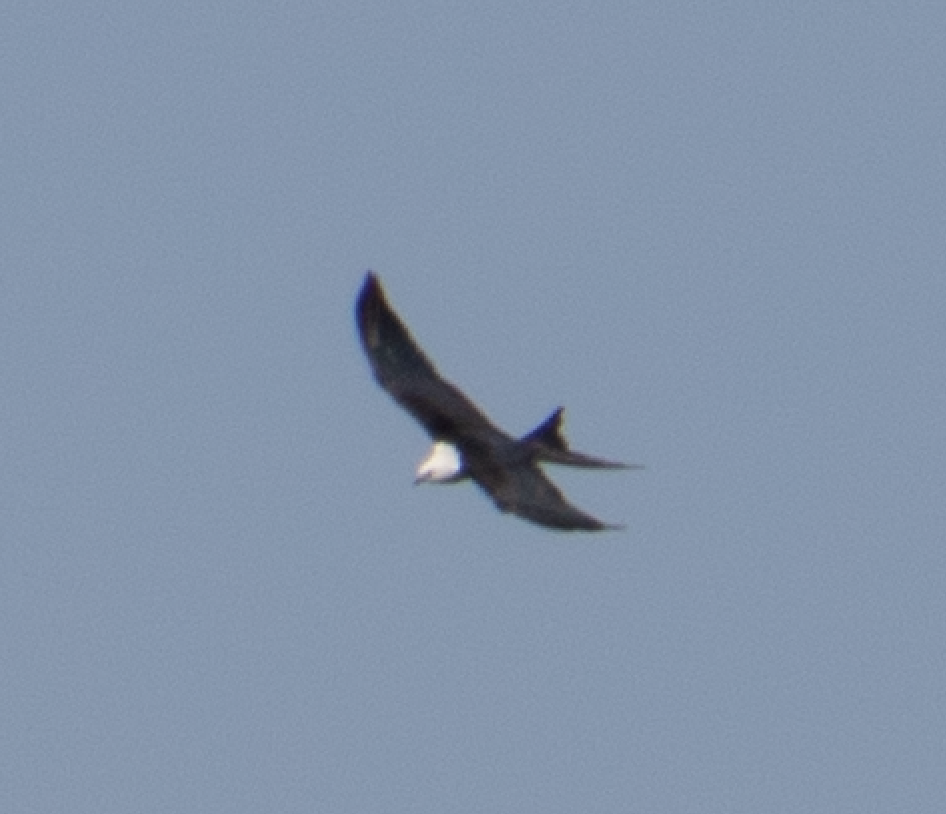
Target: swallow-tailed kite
<point>466,443</point>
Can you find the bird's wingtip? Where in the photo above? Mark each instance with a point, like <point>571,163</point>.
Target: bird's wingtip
<point>371,282</point>
<point>371,291</point>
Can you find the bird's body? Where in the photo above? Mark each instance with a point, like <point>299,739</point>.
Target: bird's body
<point>466,443</point>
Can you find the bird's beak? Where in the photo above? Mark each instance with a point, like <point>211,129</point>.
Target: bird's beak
<point>421,479</point>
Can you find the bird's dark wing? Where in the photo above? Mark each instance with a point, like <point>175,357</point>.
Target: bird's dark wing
<point>410,377</point>
<point>524,490</point>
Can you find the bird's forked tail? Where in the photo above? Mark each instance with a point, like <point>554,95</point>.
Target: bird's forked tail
<point>548,444</point>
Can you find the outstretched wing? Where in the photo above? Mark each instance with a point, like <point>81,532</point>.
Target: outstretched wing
<point>410,377</point>
<point>525,491</point>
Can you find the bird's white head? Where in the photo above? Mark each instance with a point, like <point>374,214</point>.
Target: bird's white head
<point>442,464</point>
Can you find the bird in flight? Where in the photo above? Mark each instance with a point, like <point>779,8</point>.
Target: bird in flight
<point>467,445</point>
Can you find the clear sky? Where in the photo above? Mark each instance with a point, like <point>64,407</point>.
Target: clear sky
<point>715,232</point>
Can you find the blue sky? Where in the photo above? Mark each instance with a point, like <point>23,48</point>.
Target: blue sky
<point>714,232</point>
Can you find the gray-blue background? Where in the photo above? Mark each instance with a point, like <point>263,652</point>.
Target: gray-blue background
<point>715,232</point>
